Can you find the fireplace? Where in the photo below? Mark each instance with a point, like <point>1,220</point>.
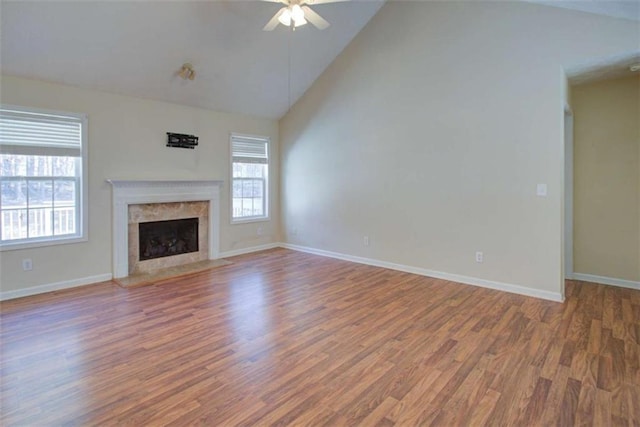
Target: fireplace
<point>137,202</point>
<point>168,247</point>
<point>158,239</point>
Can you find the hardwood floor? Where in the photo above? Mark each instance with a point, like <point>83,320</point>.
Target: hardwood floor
<point>287,338</point>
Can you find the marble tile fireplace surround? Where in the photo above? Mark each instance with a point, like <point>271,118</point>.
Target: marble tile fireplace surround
<point>136,201</point>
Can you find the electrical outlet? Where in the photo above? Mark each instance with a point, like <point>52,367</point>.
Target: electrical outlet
<point>366,240</point>
<point>260,231</point>
<point>541,190</point>
<point>479,257</point>
<point>27,264</point>
<point>294,232</point>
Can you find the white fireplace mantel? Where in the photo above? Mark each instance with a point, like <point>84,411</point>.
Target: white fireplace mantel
<point>132,192</point>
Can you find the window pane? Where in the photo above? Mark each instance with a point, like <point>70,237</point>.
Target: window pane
<point>39,166</point>
<point>40,194</point>
<point>64,221</point>
<point>257,188</point>
<point>237,207</point>
<point>237,188</point>
<point>40,222</point>
<point>64,166</point>
<point>257,207</point>
<point>14,194</point>
<point>64,193</point>
<point>247,188</point>
<point>13,165</point>
<point>249,170</point>
<point>245,207</point>
<point>237,170</point>
<point>14,224</point>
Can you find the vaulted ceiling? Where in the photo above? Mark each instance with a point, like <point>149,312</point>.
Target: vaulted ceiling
<point>136,48</point>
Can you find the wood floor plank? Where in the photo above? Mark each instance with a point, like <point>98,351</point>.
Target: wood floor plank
<point>570,402</point>
<point>379,413</point>
<point>287,338</point>
<point>536,405</point>
<point>485,408</point>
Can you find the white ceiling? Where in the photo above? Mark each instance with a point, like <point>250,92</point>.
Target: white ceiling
<point>136,47</point>
<point>626,9</point>
<point>604,69</point>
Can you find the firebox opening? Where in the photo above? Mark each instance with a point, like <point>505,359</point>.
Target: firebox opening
<point>167,238</point>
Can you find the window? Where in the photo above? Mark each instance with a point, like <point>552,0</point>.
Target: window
<point>42,170</point>
<point>250,171</point>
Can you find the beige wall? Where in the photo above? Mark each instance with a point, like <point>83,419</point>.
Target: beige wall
<point>606,178</point>
<point>127,138</point>
<point>430,132</point>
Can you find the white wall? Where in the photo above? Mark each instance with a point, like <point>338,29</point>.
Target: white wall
<point>430,132</point>
<point>127,138</point>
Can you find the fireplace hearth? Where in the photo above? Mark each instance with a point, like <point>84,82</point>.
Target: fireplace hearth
<point>158,239</point>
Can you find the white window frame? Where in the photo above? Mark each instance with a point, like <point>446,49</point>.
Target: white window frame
<point>82,213</point>
<point>266,216</point>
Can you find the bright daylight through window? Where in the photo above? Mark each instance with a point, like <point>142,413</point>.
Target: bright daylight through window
<point>41,177</point>
<point>250,166</point>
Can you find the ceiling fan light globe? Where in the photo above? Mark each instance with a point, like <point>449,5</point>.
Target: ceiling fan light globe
<point>285,18</point>
<point>297,14</point>
<point>299,22</point>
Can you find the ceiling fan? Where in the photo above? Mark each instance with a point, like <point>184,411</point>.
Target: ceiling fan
<point>296,13</point>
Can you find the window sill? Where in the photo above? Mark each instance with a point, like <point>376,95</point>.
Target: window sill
<point>40,243</point>
<point>249,220</point>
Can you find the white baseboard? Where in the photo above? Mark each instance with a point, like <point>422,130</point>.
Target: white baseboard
<point>606,280</point>
<point>227,254</point>
<point>506,287</point>
<point>34,290</point>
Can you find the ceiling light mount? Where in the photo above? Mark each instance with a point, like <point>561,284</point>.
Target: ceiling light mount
<point>187,71</point>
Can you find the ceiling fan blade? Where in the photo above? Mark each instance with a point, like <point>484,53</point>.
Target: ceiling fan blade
<point>314,18</point>
<point>273,22</point>
<point>278,1</point>
<point>314,2</point>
